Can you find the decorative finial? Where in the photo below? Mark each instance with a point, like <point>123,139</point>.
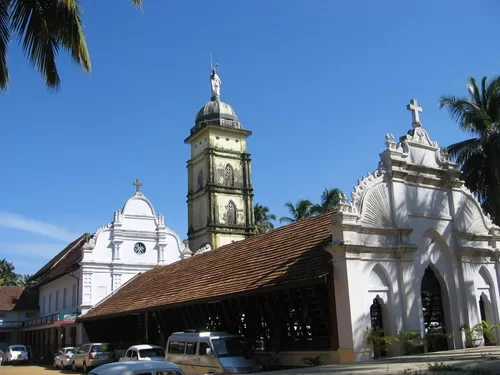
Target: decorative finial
<point>415,110</point>
<point>215,80</point>
<point>137,185</point>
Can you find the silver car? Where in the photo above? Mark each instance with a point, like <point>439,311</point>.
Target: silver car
<point>92,355</point>
<point>64,357</point>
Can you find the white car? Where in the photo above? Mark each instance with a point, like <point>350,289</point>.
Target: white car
<point>144,353</point>
<point>138,367</point>
<point>16,353</point>
<point>64,357</point>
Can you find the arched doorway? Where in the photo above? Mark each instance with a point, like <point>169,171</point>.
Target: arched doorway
<point>433,312</point>
<point>377,325</point>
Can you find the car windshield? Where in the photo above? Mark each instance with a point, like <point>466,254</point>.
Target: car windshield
<point>17,348</point>
<point>69,350</point>
<point>102,348</point>
<point>152,352</point>
<point>231,347</point>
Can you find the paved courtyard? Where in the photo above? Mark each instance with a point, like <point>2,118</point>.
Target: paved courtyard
<point>477,361</point>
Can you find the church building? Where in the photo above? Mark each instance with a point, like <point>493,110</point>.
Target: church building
<point>412,251</point>
<point>94,267</point>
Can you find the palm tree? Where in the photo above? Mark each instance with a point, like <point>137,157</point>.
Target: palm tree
<point>43,28</point>
<point>26,280</point>
<point>329,199</point>
<point>7,275</point>
<point>298,212</point>
<point>263,219</point>
<point>479,157</point>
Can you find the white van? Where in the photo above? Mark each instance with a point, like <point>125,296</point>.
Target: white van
<point>198,353</point>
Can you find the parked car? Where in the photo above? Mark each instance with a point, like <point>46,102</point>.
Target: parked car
<point>138,367</point>
<point>199,353</point>
<point>92,355</point>
<point>16,354</point>
<point>64,357</point>
<point>144,353</point>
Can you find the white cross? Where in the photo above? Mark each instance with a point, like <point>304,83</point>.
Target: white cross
<point>414,109</point>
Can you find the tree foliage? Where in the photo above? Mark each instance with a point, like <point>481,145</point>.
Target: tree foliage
<point>304,208</point>
<point>8,276</point>
<point>263,219</point>
<point>43,28</point>
<point>479,157</point>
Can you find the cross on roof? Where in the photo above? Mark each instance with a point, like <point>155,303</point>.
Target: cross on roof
<point>137,185</point>
<point>415,110</point>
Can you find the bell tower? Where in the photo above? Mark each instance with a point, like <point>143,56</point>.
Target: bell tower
<point>220,193</point>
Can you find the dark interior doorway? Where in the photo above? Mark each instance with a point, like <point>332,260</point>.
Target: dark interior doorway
<point>377,324</point>
<point>432,306</point>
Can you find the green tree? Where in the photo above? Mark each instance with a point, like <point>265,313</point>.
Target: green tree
<point>7,275</point>
<point>479,157</point>
<point>297,212</point>
<point>329,199</point>
<point>263,219</point>
<point>43,27</point>
<point>26,280</point>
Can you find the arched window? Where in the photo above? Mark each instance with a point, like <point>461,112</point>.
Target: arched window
<point>228,175</point>
<point>201,179</point>
<point>231,213</point>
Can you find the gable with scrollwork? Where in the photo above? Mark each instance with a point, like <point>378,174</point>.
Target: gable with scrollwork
<point>370,199</point>
<point>470,217</point>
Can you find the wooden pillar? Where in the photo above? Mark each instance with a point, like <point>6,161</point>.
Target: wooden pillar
<point>146,328</point>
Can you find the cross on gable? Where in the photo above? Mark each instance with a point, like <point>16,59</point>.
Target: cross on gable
<point>137,185</point>
<point>415,110</point>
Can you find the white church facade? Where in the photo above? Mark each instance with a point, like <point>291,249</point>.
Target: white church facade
<point>413,251</point>
<point>94,267</point>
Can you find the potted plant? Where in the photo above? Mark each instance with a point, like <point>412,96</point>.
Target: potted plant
<point>472,338</point>
<point>379,341</point>
<point>436,339</point>
<point>410,341</point>
<point>488,332</point>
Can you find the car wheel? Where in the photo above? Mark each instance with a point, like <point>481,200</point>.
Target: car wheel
<point>73,366</point>
<point>85,369</point>
<point>62,365</point>
<point>55,364</point>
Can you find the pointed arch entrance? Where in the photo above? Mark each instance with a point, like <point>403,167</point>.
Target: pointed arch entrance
<point>433,312</point>
<point>377,325</point>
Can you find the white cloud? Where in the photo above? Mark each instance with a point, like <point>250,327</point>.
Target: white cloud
<point>30,225</point>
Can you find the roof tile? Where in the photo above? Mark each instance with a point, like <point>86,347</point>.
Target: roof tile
<point>63,262</point>
<point>18,298</point>
<point>289,254</point>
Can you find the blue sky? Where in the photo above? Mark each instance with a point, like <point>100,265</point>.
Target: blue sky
<point>318,82</point>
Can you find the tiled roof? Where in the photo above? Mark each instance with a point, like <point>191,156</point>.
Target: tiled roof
<point>18,298</point>
<point>288,255</point>
<point>63,262</point>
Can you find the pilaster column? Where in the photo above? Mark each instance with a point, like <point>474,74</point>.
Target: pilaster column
<point>116,281</point>
<point>496,258</point>
<point>161,253</point>
<point>210,177</point>
<point>116,249</point>
<point>87,288</point>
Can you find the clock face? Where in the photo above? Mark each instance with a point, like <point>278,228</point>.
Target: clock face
<point>139,248</point>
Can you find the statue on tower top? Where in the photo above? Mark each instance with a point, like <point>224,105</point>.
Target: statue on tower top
<point>216,82</point>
